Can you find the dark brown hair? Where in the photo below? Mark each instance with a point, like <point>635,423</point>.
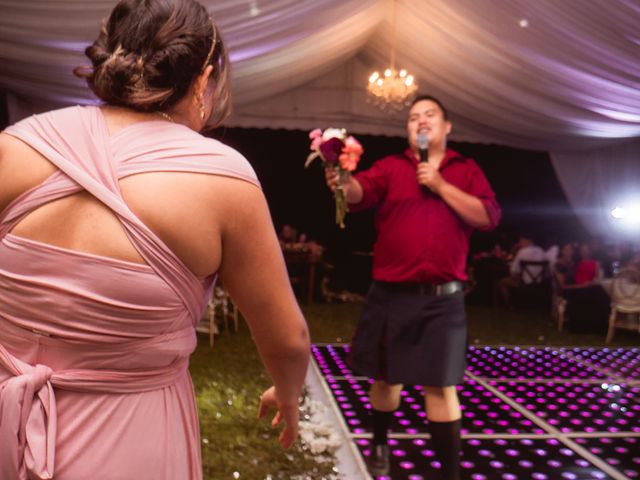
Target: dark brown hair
<point>149,52</point>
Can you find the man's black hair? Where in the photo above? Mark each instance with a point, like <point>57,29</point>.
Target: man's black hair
<point>419,98</point>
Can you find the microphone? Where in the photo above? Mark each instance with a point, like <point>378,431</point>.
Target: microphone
<point>423,146</point>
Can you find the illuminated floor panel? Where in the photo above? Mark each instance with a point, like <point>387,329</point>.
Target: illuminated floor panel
<point>490,459</point>
<point>572,407</point>
<point>529,362</point>
<point>534,413</point>
<point>622,452</point>
<point>483,412</point>
<point>618,362</point>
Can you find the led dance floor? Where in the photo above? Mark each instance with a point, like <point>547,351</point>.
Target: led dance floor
<point>528,413</point>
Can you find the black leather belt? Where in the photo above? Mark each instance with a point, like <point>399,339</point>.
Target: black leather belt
<point>422,288</point>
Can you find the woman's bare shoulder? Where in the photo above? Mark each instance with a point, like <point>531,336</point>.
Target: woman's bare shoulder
<point>21,168</point>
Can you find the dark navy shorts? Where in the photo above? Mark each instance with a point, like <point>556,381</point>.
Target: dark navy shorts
<point>411,338</point>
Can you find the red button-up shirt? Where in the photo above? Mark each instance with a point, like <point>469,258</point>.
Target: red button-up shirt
<point>419,237</point>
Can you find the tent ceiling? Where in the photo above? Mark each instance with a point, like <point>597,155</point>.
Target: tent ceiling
<point>569,80</point>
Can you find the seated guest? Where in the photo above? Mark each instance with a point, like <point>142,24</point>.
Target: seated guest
<point>587,268</point>
<point>527,251</point>
<point>587,309</point>
<point>288,234</point>
<point>564,268</point>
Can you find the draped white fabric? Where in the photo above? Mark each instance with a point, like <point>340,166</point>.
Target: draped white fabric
<point>569,82</point>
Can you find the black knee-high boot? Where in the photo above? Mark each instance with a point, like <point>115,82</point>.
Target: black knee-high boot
<point>380,423</point>
<point>445,437</point>
<point>378,463</point>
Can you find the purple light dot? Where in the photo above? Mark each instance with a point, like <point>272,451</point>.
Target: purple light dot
<point>399,453</point>
<point>525,464</point>
<point>407,465</point>
<point>582,463</point>
<point>427,453</point>
<point>569,476</point>
<point>496,464</point>
<point>508,476</point>
<point>512,453</point>
<point>539,476</point>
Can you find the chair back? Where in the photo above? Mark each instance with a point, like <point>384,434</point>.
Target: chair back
<point>625,302</point>
<point>534,272</point>
<point>625,289</point>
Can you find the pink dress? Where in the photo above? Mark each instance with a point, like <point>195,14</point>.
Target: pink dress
<point>93,350</point>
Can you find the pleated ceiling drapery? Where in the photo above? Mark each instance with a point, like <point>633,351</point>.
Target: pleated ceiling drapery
<point>567,83</point>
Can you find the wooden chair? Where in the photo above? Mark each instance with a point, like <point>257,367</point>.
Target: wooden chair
<point>535,285</point>
<point>220,304</point>
<point>625,300</point>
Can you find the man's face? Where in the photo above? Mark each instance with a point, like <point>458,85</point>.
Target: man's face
<point>427,116</point>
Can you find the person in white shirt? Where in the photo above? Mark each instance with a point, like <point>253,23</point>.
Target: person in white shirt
<point>528,251</point>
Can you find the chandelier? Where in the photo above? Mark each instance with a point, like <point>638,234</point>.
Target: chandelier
<point>394,89</point>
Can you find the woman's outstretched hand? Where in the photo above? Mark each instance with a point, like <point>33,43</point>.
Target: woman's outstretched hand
<point>287,413</point>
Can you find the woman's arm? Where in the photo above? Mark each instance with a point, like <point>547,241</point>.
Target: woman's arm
<point>253,271</point>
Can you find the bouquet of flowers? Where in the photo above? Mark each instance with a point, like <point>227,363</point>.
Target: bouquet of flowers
<point>340,152</point>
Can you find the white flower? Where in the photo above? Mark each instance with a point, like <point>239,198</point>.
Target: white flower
<point>340,133</point>
<point>316,433</point>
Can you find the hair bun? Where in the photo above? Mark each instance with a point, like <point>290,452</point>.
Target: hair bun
<point>148,54</point>
<point>118,77</point>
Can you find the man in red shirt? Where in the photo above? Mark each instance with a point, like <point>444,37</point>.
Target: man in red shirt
<point>413,328</point>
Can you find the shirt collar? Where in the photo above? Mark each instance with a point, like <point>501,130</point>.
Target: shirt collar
<point>450,155</point>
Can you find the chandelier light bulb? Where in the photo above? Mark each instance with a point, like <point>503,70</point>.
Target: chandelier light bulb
<point>392,91</point>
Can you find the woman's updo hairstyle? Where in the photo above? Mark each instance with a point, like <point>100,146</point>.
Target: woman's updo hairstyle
<point>149,52</point>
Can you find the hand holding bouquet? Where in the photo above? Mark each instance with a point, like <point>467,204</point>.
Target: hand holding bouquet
<point>340,153</point>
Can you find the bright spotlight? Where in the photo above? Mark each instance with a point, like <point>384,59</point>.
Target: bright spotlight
<point>618,213</point>
<point>627,215</point>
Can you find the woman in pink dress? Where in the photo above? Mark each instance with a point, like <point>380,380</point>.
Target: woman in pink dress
<point>115,222</point>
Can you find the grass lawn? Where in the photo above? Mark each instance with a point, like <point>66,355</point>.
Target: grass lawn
<point>229,380</point>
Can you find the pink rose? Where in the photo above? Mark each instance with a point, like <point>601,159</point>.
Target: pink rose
<point>316,142</point>
<point>352,145</point>
<point>315,133</point>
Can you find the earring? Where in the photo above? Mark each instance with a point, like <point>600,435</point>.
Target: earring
<point>201,109</point>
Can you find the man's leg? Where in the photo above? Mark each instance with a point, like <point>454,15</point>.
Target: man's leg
<point>385,399</point>
<point>443,412</point>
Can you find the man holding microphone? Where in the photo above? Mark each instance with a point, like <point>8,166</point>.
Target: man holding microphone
<point>413,328</point>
